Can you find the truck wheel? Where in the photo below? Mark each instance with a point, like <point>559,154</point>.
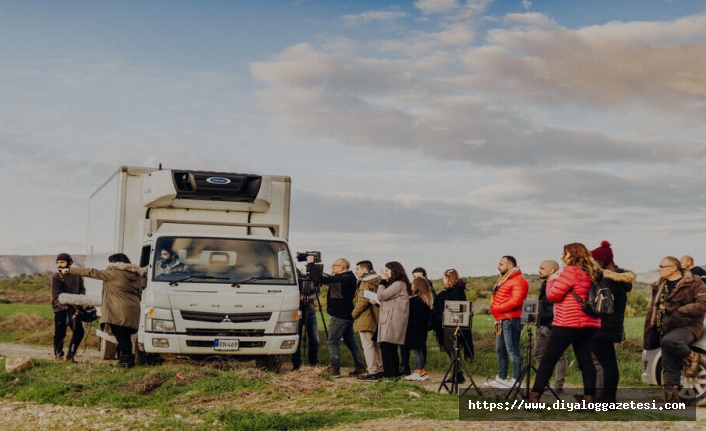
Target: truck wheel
<point>269,362</point>
<point>108,350</point>
<point>694,388</point>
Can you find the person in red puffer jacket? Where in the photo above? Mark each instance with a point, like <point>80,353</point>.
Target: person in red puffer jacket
<point>506,307</point>
<point>571,325</point>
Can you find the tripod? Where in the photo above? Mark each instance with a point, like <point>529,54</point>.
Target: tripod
<point>308,289</point>
<point>525,374</point>
<point>456,368</point>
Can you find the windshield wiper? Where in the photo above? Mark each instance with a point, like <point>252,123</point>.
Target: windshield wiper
<point>251,279</point>
<point>197,277</point>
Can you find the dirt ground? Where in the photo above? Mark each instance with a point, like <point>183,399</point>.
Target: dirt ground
<point>33,416</point>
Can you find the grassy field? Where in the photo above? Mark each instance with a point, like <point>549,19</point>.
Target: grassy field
<point>33,324</point>
<point>227,395</point>
<point>42,310</point>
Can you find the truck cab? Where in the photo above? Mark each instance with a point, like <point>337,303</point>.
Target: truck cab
<point>220,278</point>
<point>219,295</point>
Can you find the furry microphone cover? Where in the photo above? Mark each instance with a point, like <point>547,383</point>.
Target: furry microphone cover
<point>85,300</point>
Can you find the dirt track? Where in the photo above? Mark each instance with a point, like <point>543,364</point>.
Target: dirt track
<point>33,416</point>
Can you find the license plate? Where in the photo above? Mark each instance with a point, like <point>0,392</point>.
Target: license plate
<point>226,344</point>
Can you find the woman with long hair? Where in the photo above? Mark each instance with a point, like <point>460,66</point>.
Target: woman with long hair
<point>455,291</point>
<point>393,294</point>
<point>571,326</point>
<point>420,304</point>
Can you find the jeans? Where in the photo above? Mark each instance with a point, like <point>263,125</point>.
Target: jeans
<point>559,341</point>
<point>540,346</point>
<point>508,343</point>
<point>675,347</point>
<point>342,328</point>
<point>419,359</point>
<point>311,339</point>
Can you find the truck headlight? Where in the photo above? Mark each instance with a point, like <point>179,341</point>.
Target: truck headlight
<point>159,320</point>
<point>287,323</point>
<point>163,326</point>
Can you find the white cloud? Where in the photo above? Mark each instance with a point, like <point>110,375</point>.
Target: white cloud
<point>607,66</point>
<point>436,6</point>
<point>378,16</point>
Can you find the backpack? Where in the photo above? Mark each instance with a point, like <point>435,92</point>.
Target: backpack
<point>600,299</point>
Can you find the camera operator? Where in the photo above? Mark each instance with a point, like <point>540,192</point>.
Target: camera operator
<point>339,304</point>
<point>307,300</point>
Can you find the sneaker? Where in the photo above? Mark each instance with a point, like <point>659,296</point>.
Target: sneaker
<point>359,371</point>
<point>499,383</point>
<point>424,377</point>
<point>370,377</point>
<point>334,371</point>
<point>413,377</point>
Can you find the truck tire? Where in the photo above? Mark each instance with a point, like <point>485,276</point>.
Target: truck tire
<point>144,358</point>
<point>108,350</point>
<point>270,362</point>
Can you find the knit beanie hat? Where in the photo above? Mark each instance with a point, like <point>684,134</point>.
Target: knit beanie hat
<point>65,257</point>
<point>603,254</point>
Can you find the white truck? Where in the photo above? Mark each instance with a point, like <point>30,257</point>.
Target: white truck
<point>235,291</point>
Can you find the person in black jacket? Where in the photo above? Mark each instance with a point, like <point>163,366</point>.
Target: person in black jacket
<point>455,291</point>
<point>687,262</point>
<point>544,325</point>
<point>420,304</point>
<point>64,315</point>
<point>418,272</point>
<point>619,281</point>
<point>339,304</point>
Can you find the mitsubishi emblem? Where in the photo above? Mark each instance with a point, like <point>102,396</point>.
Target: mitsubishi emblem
<point>226,319</point>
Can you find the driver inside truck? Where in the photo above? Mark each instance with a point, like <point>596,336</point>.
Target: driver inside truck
<point>169,262</point>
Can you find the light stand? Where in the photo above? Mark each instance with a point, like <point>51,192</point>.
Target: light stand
<point>525,375</point>
<point>455,368</point>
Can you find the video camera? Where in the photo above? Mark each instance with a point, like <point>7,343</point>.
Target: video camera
<point>309,281</point>
<point>302,256</point>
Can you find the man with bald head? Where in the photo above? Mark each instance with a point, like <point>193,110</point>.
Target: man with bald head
<point>687,262</point>
<point>342,285</point>
<point>544,324</point>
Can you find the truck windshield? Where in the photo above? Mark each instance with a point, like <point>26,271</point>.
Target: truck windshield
<point>222,260</point>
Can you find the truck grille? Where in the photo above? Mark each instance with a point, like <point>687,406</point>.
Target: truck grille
<point>200,332</point>
<point>243,344</point>
<point>225,318</point>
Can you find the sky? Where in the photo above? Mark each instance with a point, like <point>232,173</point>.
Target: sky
<point>436,133</point>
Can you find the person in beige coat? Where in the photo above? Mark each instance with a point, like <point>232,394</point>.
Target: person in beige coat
<point>123,283</point>
<point>393,295</point>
